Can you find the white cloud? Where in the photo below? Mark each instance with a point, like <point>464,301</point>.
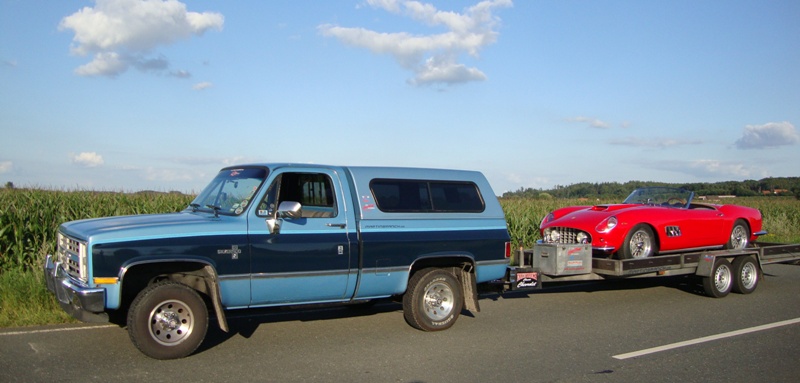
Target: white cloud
<point>593,122</point>
<point>121,33</point>
<point>202,85</point>
<point>768,135</point>
<point>654,142</point>
<point>711,169</point>
<point>6,166</point>
<point>434,57</point>
<point>88,159</point>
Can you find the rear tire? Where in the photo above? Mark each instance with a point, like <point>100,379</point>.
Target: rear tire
<point>167,320</point>
<point>720,282</point>
<point>639,243</point>
<point>433,300</point>
<point>740,235</point>
<point>746,275</point>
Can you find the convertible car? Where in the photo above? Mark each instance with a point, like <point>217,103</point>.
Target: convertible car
<point>652,221</point>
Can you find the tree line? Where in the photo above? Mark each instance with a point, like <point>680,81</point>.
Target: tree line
<point>773,186</point>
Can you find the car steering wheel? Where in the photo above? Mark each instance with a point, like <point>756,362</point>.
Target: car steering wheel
<point>677,201</point>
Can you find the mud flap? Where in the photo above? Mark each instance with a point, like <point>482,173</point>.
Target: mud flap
<point>470,289</point>
<point>211,277</point>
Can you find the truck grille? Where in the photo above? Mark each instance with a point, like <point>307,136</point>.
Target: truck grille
<point>565,235</point>
<point>72,254</point>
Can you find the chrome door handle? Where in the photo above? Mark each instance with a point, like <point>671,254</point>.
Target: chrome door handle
<point>339,225</point>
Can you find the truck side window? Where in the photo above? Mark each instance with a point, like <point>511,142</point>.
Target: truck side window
<point>414,196</point>
<point>313,190</point>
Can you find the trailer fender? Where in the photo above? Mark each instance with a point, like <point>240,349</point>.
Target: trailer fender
<point>706,265</point>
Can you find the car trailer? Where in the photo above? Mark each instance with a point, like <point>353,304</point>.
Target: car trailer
<point>721,271</point>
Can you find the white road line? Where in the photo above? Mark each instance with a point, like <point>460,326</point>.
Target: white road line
<point>55,330</point>
<point>706,339</point>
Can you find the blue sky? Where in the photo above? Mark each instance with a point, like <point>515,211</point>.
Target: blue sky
<point>129,95</point>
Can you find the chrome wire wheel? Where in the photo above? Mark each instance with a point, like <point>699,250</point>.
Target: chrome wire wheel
<point>641,244</point>
<point>171,322</point>
<point>438,301</point>
<point>740,236</point>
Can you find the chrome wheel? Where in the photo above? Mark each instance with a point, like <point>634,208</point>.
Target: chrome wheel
<point>720,282</point>
<point>433,300</point>
<point>641,244</point>
<point>740,236</point>
<point>438,301</point>
<point>171,322</point>
<point>749,276</point>
<point>167,320</point>
<point>722,278</point>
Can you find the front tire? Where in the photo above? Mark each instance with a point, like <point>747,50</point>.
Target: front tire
<point>167,320</point>
<point>639,243</point>
<point>433,300</point>
<point>746,275</point>
<point>720,282</point>
<point>740,235</point>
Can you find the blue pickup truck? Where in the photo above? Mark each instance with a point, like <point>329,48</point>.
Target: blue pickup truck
<point>286,234</point>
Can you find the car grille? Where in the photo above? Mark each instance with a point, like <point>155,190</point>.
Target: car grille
<point>567,235</point>
<point>72,254</point>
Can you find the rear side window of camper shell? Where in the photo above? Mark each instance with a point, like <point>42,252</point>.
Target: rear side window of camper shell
<point>426,196</point>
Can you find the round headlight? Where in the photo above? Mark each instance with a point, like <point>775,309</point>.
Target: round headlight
<point>582,237</point>
<point>552,235</point>
<point>606,225</point>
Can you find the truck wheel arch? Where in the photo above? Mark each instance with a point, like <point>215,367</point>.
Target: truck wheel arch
<point>198,275</point>
<point>461,266</point>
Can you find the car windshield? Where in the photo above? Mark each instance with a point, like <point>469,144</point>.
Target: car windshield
<point>230,191</point>
<point>662,196</point>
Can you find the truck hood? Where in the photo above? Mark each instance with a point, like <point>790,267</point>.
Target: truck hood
<point>143,226</point>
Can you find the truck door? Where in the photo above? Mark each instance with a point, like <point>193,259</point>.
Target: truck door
<point>309,260</point>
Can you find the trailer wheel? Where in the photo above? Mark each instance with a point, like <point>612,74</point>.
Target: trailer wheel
<point>740,235</point>
<point>720,282</point>
<point>639,243</point>
<point>433,300</point>
<point>167,320</point>
<point>746,275</point>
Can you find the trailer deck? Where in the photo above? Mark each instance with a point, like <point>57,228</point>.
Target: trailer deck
<point>722,271</point>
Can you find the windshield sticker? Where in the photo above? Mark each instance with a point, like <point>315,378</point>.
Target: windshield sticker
<point>235,172</point>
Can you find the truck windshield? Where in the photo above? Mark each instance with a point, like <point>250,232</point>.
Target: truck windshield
<point>231,191</point>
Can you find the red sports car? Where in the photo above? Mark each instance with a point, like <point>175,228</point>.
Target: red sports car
<point>651,221</point>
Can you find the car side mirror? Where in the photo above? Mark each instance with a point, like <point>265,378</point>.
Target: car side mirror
<point>286,210</point>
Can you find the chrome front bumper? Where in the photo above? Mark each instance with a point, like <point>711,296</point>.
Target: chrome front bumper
<point>83,303</point>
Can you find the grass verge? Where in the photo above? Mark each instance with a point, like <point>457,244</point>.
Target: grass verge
<point>25,300</point>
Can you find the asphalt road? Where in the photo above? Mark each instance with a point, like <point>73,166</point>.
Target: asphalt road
<point>570,333</point>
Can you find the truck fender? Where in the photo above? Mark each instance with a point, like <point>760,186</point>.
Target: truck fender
<point>203,279</point>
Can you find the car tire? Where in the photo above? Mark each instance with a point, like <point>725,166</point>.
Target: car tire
<point>746,275</point>
<point>639,243</point>
<point>740,235</point>
<point>720,282</point>
<point>433,300</point>
<point>167,320</point>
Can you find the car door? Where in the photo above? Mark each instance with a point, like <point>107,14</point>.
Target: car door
<point>309,259</point>
<point>690,228</point>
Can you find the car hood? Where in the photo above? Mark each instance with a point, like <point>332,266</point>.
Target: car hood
<point>588,217</point>
<point>143,226</point>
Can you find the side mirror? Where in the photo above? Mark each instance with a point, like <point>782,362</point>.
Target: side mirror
<point>290,209</point>
<point>286,210</point>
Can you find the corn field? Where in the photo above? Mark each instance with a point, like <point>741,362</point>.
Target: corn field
<point>29,219</point>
